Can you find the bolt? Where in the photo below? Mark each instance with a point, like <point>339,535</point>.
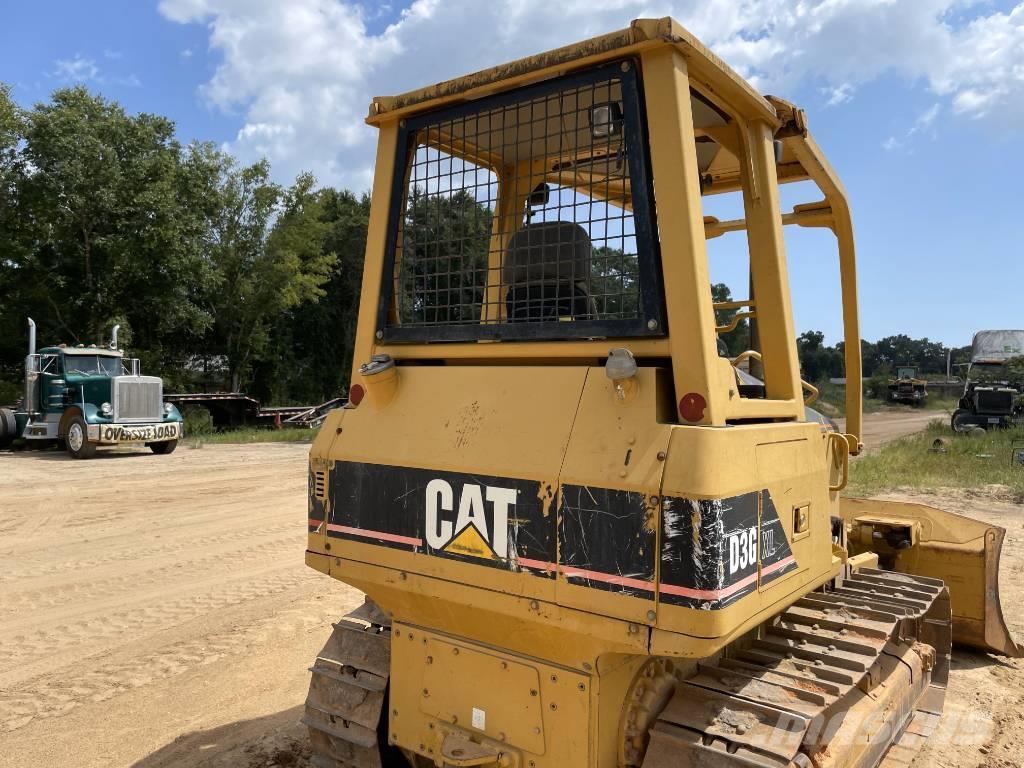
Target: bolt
<point>455,651</point>
<point>337,431</point>
<point>398,633</point>
<point>403,576</point>
<point>504,665</point>
<point>652,324</point>
<point>537,731</point>
<point>661,456</point>
<point>394,712</point>
<point>633,629</point>
<point>430,726</point>
<point>426,693</point>
<point>533,691</point>
<point>654,500</point>
<point>651,615</point>
<point>741,729</point>
<point>394,738</point>
<point>552,706</point>
<point>554,678</point>
<point>582,686</point>
<point>501,736</point>
<point>379,335</point>
<point>534,605</point>
<point>327,546</point>
<point>430,659</point>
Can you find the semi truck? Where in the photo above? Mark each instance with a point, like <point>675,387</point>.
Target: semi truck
<point>87,396</point>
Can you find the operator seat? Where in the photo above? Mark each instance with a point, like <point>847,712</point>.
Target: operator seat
<point>547,271</point>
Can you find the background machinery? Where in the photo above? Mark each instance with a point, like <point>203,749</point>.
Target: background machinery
<point>585,539</point>
<point>87,396</point>
<point>906,388</point>
<point>994,385</point>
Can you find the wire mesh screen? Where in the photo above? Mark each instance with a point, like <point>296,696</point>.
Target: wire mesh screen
<point>519,212</point>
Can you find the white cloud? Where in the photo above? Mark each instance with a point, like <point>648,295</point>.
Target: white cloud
<point>79,69</point>
<point>837,95</point>
<point>187,53</point>
<point>923,123</point>
<point>301,73</point>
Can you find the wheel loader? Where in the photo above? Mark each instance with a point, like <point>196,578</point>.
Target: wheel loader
<point>586,537</point>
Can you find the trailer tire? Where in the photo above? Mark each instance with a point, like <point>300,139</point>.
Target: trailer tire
<point>164,448</point>
<point>8,427</point>
<point>77,439</point>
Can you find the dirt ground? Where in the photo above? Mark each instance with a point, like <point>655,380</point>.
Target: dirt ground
<point>155,611</point>
<point>893,423</point>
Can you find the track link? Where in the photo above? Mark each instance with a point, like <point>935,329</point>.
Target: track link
<point>854,676</point>
<point>348,693</point>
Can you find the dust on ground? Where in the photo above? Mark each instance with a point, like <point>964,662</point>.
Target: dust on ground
<point>155,611</point>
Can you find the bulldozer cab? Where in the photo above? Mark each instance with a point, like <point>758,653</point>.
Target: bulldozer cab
<point>561,203</point>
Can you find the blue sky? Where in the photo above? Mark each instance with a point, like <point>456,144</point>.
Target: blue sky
<point>919,105</point>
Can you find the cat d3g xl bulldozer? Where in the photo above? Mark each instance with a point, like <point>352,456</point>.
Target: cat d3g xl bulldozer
<point>586,537</point>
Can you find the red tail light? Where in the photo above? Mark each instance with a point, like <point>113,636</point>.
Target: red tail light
<point>355,394</point>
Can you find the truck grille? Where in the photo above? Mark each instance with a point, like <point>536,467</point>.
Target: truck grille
<point>994,401</point>
<point>138,398</point>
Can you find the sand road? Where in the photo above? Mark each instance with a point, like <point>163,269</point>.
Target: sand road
<point>155,611</point>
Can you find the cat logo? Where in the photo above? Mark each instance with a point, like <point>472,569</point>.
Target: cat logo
<point>480,528</point>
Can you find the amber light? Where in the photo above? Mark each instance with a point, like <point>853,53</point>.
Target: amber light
<point>355,394</point>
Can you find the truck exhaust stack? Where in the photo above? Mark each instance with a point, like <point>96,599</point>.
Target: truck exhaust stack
<point>113,336</point>
<point>31,336</point>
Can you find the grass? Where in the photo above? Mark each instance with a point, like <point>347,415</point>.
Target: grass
<point>969,462</point>
<point>252,435</point>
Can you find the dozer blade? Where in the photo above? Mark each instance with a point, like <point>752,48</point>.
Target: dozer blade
<point>925,541</point>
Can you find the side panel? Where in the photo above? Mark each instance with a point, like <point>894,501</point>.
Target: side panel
<point>610,487</point>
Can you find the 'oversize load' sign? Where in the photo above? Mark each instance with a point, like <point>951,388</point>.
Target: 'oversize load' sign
<point>143,433</point>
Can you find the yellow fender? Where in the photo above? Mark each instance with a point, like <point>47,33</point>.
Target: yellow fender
<point>925,541</point>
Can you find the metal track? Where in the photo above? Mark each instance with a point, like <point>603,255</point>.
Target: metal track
<point>348,691</point>
<point>854,676</point>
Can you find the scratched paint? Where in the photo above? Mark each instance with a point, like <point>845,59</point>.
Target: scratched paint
<point>710,549</point>
<point>605,541</point>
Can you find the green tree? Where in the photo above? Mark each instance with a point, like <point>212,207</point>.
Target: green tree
<point>102,224</point>
<point>311,356</point>
<point>443,267</point>
<point>267,251</point>
<point>818,361</point>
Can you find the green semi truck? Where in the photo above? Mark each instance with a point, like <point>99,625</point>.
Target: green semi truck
<point>89,396</point>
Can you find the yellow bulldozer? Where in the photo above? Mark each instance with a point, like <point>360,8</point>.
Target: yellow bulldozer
<point>588,538</point>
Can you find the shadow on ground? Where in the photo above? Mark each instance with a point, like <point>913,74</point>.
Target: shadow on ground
<point>274,741</point>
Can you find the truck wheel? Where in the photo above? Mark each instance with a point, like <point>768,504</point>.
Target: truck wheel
<point>77,439</point>
<point>8,427</point>
<point>960,421</point>
<point>162,449</point>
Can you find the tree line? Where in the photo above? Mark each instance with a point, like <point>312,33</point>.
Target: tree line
<point>223,279</point>
<point>219,277</point>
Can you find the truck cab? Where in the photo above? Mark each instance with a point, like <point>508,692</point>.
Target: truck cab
<point>86,396</point>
